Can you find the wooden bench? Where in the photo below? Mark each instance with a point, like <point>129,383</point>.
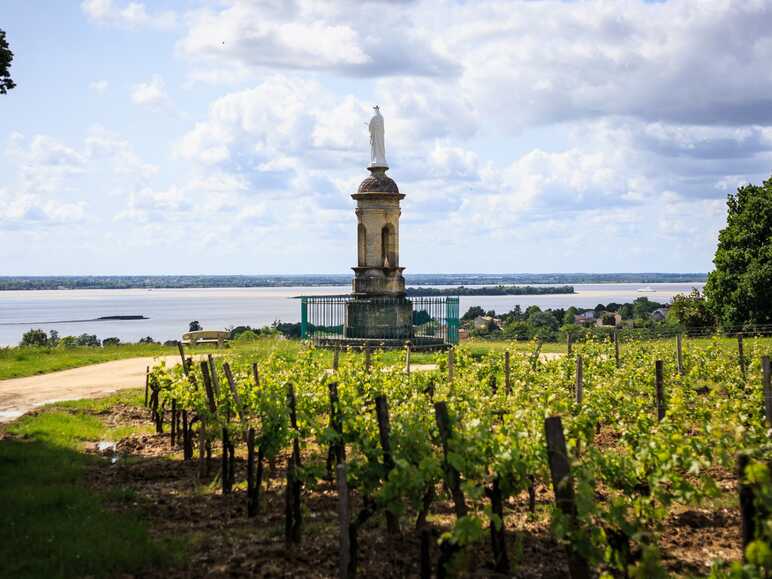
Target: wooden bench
<point>218,337</point>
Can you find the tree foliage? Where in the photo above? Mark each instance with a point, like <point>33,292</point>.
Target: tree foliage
<point>691,311</point>
<point>739,289</point>
<point>6,56</point>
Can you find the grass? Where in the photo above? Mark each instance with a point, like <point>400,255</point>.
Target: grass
<point>18,362</point>
<point>51,523</point>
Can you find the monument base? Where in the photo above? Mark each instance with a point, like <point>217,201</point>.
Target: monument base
<point>379,318</point>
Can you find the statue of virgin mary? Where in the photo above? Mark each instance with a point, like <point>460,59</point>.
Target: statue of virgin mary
<point>377,146</point>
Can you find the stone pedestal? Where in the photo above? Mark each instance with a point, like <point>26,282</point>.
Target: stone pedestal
<point>379,318</point>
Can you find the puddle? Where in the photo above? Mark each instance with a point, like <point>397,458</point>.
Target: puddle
<point>106,447</point>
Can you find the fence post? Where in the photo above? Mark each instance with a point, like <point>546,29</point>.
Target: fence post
<point>335,359</point>
<point>507,373</point>
<point>303,318</point>
<point>384,431</point>
<point>367,357</point>
<point>407,359</point>
<point>563,485</point>
<point>659,389</point>
<point>680,354</point>
<point>747,507</point>
<point>740,354</point>
<point>569,343</point>
<point>767,372</point>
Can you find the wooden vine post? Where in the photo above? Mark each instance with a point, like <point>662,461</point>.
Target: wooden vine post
<point>293,514</point>
<point>453,481</point>
<point>507,373</point>
<point>335,359</point>
<point>659,387</point>
<point>451,364</point>
<point>749,510</point>
<point>384,432</point>
<point>368,357</point>
<point>740,353</point>
<point>344,520</point>
<point>563,485</point>
<point>407,358</point>
<point>147,383</point>
<point>253,499</point>
<point>767,380</point>
<point>212,409</point>
<point>337,451</point>
<point>616,349</point>
<point>680,354</point>
<point>579,384</point>
<point>569,343</point>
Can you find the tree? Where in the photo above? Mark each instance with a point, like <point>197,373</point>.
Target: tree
<point>194,326</point>
<point>6,56</point>
<point>472,313</point>
<point>739,289</point>
<point>88,340</point>
<point>569,317</point>
<point>111,341</point>
<point>691,311</point>
<point>147,340</point>
<point>34,338</point>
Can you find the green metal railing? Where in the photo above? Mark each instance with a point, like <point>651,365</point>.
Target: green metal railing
<point>426,319</point>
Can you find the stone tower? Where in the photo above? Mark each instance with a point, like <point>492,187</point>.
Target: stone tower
<point>378,272</point>
<point>379,310</point>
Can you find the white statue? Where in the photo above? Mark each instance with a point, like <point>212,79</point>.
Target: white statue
<point>377,146</point>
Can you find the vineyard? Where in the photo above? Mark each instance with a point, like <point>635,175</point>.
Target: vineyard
<point>439,472</point>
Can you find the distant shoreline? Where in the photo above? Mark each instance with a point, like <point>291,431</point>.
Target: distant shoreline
<point>99,319</point>
<point>16,283</point>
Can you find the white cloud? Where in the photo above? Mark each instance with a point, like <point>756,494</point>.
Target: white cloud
<point>151,94</point>
<point>130,14</point>
<point>99,86</point>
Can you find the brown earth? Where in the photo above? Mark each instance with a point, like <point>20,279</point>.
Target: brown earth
<point>148,476</point>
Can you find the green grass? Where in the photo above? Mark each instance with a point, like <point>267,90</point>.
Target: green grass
<point>51,523</point>
<point>18,362</point>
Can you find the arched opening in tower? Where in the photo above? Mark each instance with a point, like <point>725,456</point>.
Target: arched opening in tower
<point>388,246</point>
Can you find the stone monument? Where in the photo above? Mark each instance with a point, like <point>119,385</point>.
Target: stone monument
<point>379,309</point>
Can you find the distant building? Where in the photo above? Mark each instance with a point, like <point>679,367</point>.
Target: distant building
<point>659,314</point>
<point>484,323</point>
<point>585,318</point>
<point>602,316</point>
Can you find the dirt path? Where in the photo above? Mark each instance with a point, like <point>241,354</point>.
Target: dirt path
<point>19,395</point>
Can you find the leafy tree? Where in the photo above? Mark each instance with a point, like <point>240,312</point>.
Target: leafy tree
<point>53,338</point>
<point>88,340</point>
<point>691,311</point>
<point>739,289</point>
<point>608,320</point>
<point>516,330</point>
<point>421,317</point>
<point>34,337</point>
<point>559,314</point>
<point>194,326</point>
<point>68,342</point>
<point>147,340</point>
<point>6,56</point>
<point>111,341</point>
<point>569,318</point>
<point>626,311</point>
<point>531,310</point>
<point>643,306</point>
<point>543,320</point>
<point>472,313</point>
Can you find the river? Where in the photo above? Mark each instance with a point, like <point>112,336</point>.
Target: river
<point>169,311</point>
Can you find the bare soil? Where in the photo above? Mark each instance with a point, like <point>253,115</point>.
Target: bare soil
<point>151,477</point>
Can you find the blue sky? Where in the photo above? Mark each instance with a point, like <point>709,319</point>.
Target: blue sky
<point>226,136</point>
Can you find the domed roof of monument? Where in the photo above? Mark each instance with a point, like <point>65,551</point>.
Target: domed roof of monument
<point>378,183</point>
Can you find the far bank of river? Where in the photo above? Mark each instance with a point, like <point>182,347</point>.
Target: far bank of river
<point>169,311</point>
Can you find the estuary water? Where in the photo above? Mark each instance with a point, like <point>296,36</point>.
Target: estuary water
<point>169,311</point>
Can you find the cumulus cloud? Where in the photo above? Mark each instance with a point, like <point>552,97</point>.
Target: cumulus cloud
<point>151,94</point>
<point>130,14</point>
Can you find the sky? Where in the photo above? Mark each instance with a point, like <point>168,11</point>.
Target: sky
<point>227,136</point>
